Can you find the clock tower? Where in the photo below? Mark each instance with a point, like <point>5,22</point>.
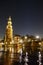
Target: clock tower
<point>9,31</point>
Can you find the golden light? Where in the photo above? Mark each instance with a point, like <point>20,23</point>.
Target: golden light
<point>20,51</point>
<point>39,43</point>
<point>12,41</point>
<point>9,21</point>
<point>10,18</point>
<point>21,41</point>
<point>10,49</point>
<point>2,43</point>
<point>12,55</point>
<point>25,37</point>
<point>29,40</point>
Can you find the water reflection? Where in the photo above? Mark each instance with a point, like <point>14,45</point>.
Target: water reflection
<point>1,54</point>
<point>8,58</point>
<point>39,58</point>
<point>20,59</point>
<point>26,57</point>
<point>25,63</point>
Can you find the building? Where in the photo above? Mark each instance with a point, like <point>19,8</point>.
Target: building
<point>16,43</point>
<point>9,32</point>
<point>12,42</point>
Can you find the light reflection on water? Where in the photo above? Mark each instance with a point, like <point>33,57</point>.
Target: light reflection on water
<point>39,58</point>
<point>7,58</point>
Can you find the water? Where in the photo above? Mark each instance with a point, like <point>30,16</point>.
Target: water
<point>7,58</point>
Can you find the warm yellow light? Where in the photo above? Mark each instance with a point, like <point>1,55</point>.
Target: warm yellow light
<point>25,37</point>
<point>20,51</point>
<point>39,43</point>
<point>10,49</point>
<point>2,43</point>
<point>9,21</point>
<point>21,41</point>
<point>37,37</point>
<point>10,18</point>
<point>12,55</point>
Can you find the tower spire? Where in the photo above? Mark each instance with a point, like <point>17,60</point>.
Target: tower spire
<point>9,20</point>
<point>9,30</point>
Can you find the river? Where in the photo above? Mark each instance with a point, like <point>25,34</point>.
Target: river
<point>7,58</point>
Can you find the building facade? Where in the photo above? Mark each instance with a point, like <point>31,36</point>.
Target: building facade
<point>9,31</point>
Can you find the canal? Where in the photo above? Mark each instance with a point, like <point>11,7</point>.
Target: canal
<point>34,58</point>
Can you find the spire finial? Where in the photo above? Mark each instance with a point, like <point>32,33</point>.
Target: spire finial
<point>9,18</point>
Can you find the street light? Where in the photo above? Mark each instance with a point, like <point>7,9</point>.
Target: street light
<point>37,37</point>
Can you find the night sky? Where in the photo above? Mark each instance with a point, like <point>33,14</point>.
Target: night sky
<point>27,16</point>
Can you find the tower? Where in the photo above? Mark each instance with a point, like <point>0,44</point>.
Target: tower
<point>9,31</point>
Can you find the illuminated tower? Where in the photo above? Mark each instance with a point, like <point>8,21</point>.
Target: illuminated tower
<point>9,31</point>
